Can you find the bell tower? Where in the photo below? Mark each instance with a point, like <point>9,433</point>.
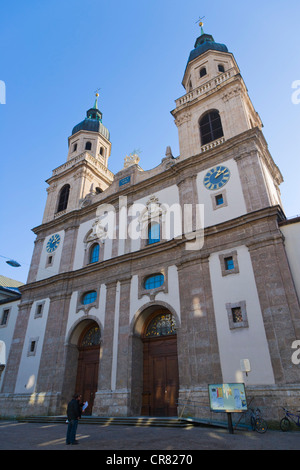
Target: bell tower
<point>85,173</point>
<point>216,106</point>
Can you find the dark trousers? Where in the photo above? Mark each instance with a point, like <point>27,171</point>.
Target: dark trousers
<point>71,431</point>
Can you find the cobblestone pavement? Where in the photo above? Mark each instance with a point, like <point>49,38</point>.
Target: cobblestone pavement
<point>42,436</point>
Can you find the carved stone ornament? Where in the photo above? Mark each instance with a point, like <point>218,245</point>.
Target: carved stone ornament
<point>152,211</point>
<point>99,232</point>
<point>132,159</point>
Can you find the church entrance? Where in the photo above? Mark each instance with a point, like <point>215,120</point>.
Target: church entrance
<point>88,365</point>
<point>160,366</point>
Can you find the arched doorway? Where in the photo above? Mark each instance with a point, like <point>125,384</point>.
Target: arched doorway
<point>88,364</point>
<point>160,365</point>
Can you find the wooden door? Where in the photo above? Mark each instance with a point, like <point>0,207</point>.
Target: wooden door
<point>88,365</point>
<point>161,384</point>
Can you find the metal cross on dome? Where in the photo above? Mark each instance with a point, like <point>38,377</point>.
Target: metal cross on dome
<point>200,22</point>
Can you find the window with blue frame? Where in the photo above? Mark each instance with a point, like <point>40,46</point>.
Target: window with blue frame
<point>94,253</point>
<point>219,200</point>
<point>229,263</point>
<point>89,297</point>
<point>153,281</point>
<point>153,233</point>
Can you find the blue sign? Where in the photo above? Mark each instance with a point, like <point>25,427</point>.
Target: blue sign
<point>229,398</point>
<point>124,181</point>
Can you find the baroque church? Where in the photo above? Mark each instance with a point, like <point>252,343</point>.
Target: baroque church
<point>147,286</point>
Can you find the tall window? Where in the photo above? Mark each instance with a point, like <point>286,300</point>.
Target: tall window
<point>63,198</point>
<point>153,233</point>
<point>203,72</point>
<point>88,146</point>
<point>94,253</point>
<point>211,127</point>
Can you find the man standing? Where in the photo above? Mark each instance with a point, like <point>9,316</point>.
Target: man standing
<point>73,414</point>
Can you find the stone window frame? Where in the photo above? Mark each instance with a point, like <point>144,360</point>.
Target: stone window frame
<point>4,325</point>
<point>214,201</point>
<point>31,352</point>
<point>242,306</point>
<point>87,307</point>
<point>38,304</point>
<point>89,241</point>
<point>142,276</point>
<point>234,256</point>
<point>49,260</point>
<point>144,232</point>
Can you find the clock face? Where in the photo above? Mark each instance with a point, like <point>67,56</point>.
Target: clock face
<point>216,178</point>
<point>53,243</point>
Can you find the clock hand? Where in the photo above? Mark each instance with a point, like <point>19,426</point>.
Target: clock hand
<point>219,173</point>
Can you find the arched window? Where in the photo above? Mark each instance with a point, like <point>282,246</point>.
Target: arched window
<point>101,151</point>
<point>162,325</point>
<point>89,297</point>
<point>203,72</point>
<point>91,338</point>
<point>63,198</point>
<point>94,253</point>
<point>88,146</point>
<point>153,281</point>
<point>74,147</point>
<point>211,127</point>
<point>153,233</point>
<point>221,68</point>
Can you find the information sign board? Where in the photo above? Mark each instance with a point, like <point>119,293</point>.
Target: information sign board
<point>227,398</point>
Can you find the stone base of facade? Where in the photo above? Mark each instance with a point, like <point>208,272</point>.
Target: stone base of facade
<point>35,404</point>
<point>192,403</point>
<point>112,403</point>
<point>269,398</point>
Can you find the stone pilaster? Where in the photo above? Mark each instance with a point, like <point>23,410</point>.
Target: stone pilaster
<point>68,251</point>
<point>34,266</point>
<point>52,363</point>
<point>279,305</point>
<point>105,372</point>
<point>197,336</point>
<point>14,358</point>
<point>252,181</point>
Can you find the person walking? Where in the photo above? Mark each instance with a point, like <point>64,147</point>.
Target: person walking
<point>73,414</point>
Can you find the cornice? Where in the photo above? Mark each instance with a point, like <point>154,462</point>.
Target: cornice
<point>149,254</point>
<point>242,144</point>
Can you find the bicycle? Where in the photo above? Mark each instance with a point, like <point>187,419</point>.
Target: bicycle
<point>285,423</point>
<point>258,424</point>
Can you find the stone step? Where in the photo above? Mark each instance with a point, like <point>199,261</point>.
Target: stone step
<point>117,421</point>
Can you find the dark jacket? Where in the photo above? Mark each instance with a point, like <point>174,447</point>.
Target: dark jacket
<point>73,410</point>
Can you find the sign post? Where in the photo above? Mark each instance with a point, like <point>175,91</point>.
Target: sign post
<point>228,398</point>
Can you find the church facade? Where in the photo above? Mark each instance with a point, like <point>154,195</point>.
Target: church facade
<point>146,286</point>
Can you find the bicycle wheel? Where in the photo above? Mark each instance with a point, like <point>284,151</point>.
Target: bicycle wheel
<point>261,425</point>
<point>252,422</point>
<point>285,424</point>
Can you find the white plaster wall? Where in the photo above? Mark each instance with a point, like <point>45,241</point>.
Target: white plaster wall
<point>241,343</point>
<point>29,365</point>
<point>168,196</point>
<point>84,228</point>
<point>291,233</point>
<point>75,316</point>
<point>7,331</point>
<point>45,271</point>
<point>171,297</point>
<point>235,200</point>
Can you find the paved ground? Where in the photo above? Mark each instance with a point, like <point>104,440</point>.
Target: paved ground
<point>39,436</point>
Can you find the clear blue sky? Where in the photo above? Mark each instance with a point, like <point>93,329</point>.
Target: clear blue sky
<point>55,54</point>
